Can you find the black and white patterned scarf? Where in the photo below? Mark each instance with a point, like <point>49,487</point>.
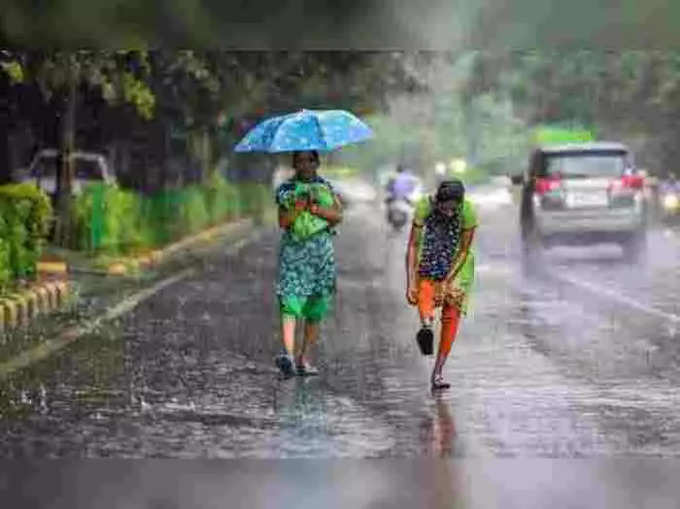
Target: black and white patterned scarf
<point>440,242</point>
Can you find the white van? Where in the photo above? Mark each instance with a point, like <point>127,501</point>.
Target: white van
<point>88,167</point>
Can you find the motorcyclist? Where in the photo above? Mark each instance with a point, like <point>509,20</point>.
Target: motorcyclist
<point>400,190</point>
<point>401,185</point>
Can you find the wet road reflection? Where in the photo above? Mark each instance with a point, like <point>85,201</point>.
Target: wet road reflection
<point>544,367</point>
<point>440,429</point>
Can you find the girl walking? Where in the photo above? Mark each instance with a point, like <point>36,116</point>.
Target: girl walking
<point>440,266</point>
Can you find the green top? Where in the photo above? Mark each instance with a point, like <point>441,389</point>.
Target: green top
<point>423,209</point>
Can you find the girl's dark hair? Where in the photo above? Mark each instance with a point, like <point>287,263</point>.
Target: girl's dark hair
<point>315,155</point>
<point>450,190</point>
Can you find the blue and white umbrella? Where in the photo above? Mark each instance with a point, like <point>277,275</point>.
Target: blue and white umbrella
<point>305,130</point>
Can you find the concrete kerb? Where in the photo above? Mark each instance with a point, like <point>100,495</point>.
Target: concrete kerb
<point>51,267</point>
<point>156,257</point>
<point>18,309</point>
<point>9,314</point>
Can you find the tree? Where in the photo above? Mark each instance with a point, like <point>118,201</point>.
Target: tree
<point>628,95</point>
<point>119,75</point>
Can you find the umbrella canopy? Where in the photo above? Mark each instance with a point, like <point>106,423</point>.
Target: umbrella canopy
<point>305,130</point>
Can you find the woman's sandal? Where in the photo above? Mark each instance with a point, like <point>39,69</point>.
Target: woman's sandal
<point>286,365</point>
<point>439,383</point>
<point>306,369</point>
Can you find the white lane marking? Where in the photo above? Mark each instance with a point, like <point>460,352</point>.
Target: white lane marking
<point>618,297</point>
<point>71,334</point>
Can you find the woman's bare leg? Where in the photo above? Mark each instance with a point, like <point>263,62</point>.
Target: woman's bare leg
<point>288,333</point>
<point>450,322</point>
<point>310,336</point>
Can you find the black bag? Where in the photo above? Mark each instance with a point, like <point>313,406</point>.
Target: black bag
<point>425,339</point>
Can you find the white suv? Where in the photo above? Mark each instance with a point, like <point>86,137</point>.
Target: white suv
<point>583,194</point>
<point>88,167</point>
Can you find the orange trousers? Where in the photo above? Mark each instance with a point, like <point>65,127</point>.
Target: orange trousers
<point>429,298</point>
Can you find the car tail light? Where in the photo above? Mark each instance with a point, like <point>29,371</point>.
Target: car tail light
<point>548,185</point>
<point>627,183</point>
<point>623,192</point>
<point>549,193</point>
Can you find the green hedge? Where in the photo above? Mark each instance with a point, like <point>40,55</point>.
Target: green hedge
<point>110,220</point>
<point>25,216</point>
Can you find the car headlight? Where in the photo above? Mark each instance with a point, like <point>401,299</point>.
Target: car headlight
<point>671,202</point>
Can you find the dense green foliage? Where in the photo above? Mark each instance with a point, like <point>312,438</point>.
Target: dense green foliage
<point>25,215</point>
<point>633,96</point>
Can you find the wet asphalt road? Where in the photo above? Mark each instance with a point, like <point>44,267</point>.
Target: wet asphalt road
<point>580,358</point>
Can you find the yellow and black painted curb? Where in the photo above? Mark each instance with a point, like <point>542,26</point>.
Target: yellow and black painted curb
<point>22,306</point>
<point>51,267</point>
<point>19,308</point>
<point>47,294</point>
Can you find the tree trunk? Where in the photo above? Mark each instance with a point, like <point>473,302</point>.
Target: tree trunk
<point>207,164</point>
<point>5,170</point>
<point>65,168</point>
<point>5,176</point>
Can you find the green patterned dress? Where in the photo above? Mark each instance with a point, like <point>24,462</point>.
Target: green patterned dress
<point>306,279</point>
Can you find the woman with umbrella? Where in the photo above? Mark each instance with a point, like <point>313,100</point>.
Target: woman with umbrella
<point>309,209</point>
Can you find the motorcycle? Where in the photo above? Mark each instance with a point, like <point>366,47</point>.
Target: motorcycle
<point>399,213</point>
<point>400,210</point>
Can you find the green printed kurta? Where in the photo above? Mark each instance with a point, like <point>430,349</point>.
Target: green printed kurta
<point>306,277</point>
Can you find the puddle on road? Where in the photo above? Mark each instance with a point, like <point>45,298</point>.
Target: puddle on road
<point>120,395</point>
<point>166,383</point>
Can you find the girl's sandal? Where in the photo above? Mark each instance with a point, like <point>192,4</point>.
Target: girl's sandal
<point>439,383</point>
<point>306,369</point>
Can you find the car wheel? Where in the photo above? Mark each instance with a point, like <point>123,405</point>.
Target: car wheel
<point>635,247</point>
<point>531,249</point>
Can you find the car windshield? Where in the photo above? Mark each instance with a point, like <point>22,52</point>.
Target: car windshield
<point>46,167</point>
<point>585,165</point>
<point>85,169</point>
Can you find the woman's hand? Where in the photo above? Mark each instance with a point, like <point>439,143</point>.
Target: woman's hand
<point>412,288</point>
<point>451,277</point>
<point>412,293</point>
<point>460,258</point>
<point>331,214</point>
<point>288,216</point>
<point>458,264</point>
